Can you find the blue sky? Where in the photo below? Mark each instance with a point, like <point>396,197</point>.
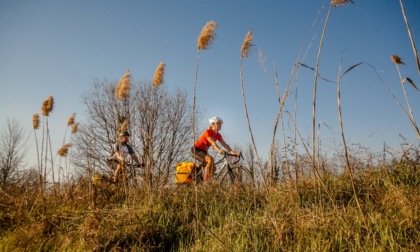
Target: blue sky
<point>59,47</point>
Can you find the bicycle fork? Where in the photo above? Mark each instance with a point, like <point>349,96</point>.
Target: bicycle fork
<point>231,174</point>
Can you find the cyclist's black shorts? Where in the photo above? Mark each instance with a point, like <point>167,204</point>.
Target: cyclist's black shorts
<point>199,153</point>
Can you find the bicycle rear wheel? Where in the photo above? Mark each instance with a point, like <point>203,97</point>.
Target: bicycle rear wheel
<point>239,176</point>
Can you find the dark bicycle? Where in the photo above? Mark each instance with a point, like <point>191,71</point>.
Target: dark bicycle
<point>231,172</point>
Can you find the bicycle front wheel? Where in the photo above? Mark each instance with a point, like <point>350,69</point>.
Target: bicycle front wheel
<point>237,176</point>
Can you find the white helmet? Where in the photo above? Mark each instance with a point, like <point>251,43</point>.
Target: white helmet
<point>215,120</point>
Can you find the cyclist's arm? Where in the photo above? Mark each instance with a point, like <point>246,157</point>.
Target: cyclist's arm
<point>227,147</point>
<point>135,158</point>
<point>215,146</point>
<point>118,156</point>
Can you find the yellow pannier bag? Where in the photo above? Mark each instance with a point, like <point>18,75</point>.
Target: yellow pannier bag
<point>184,172</point>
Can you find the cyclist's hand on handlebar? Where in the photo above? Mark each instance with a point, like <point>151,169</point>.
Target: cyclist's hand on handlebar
<point>232,153</point>
<point>237,154</point>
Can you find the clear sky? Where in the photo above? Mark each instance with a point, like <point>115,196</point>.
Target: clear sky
<point>58,48</point>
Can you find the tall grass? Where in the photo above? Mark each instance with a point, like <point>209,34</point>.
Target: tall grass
<point>233,220</point>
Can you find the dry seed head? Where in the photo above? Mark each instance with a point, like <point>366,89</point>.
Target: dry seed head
<point>74,128</point>
<point>207,36</point>
<point>123,86</point>
<point>124,126</point>
<point>35,121</point>
<point>47,106</point>
<point>63,151</point>
<point>159,74</point>
<point>246,46</point>
<point>341,2</point>
<point>397,60</point>
<point>70,121</point>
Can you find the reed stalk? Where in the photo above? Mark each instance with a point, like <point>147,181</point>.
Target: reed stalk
<point>413,123</point>
<point>205,40</point>
<point>35,123</point>
<point>333,3</point>
<point>398,61</point>
<point>46,108</point>
<point>315,83</point>
<point>416,55</point>
<point>281,101</point>
<point>246,52</point>
<point>346,155</point>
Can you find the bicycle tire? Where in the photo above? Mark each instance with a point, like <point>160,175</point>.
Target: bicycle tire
<point>242,177</point>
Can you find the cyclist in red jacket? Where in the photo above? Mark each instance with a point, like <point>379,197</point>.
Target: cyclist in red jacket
<point>209,138</point>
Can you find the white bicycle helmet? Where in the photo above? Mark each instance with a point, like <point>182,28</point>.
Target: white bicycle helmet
<point>215,120</point>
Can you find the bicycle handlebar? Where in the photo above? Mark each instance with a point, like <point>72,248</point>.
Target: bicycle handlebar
<point>232,155</point>
<point>135,165</point>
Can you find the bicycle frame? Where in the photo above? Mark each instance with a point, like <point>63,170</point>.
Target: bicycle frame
<point>227,166</point>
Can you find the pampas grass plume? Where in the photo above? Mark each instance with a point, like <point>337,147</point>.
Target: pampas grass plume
<point>397,60</point>
<point>70,121</point>
<point>341,2</point>
<point>47,106</point>
<point>159,74</point>
<point>246,46</point>
<point>35,121</point>
<point>124,126</point>
<point>123,87</point>
<point>207,36</point>
<point>63,151</point>
<point>74,128</point>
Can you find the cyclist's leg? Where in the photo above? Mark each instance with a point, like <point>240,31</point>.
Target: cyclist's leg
<point>210,167</point>
<point>123,173</point>
<point>118,169</point>
<point>198,154</point>
<point>206,161</point>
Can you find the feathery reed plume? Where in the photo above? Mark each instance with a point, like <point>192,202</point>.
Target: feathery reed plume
<point>123,86</point>
<point>124,126</point>
<point>397,60</point>
<point>246,46</point>
<point>159,74</point>
<point>63,151</point>
<point>207,36</point>
<point>35,121</point>
<point>70,121</point>
<point>341,2</point>
<point>74,128</point>
<point>47,106</point>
